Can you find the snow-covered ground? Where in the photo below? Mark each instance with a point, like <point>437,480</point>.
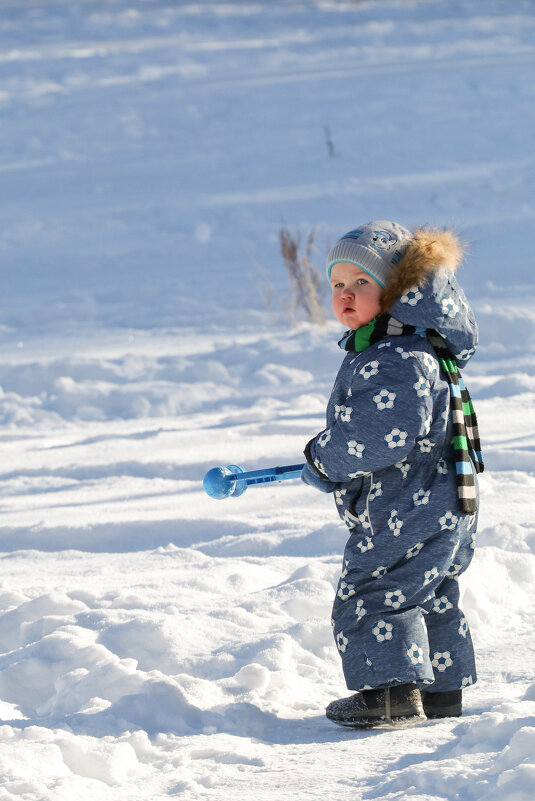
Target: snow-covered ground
<point>154,642</point>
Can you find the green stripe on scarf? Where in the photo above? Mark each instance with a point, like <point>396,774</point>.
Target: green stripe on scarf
<point>468,408</point>
<point>460,443</point>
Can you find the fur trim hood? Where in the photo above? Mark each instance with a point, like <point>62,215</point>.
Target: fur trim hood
<point>422,290</point>
<point>429,251</point>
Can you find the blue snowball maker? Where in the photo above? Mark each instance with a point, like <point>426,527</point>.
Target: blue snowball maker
<point>218,484</point>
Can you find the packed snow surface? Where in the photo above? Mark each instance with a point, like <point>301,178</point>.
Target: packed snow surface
<point>154,642</point>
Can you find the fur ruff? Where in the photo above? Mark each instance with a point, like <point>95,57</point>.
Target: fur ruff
<point>430,251</point>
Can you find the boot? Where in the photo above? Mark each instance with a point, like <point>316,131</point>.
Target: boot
<point>386,706</point>
<point>443,705</point>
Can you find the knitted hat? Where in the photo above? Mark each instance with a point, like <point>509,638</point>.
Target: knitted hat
<point>375,247</point>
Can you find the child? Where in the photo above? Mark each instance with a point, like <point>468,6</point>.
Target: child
<point>400,452</point>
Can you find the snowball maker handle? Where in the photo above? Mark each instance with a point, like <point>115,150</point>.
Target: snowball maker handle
<point>222,482</point>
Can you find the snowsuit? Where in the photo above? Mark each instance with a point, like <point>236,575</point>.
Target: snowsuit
<point>386,454</point>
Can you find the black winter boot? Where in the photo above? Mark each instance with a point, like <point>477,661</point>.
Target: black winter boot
<point>388,706</point>
<point>443,705</point>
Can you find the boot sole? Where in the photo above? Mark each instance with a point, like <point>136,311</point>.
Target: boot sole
<point>396,722</point>
<point>444,712</point>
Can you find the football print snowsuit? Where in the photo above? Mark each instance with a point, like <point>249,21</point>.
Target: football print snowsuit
<point>387,455</point>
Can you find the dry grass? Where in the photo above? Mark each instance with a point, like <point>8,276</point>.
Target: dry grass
<point>303,277</point>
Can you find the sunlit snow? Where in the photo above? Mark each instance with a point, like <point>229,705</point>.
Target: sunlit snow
<point>154,642</point>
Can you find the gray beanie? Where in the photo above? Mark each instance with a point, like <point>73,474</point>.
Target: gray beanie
<point>375,247</point>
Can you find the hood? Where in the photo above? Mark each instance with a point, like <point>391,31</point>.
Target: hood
<point>422,290</point>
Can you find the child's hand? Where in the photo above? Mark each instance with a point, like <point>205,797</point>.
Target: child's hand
<point>310,476</point>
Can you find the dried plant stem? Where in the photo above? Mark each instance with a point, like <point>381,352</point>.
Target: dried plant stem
<point>303,277</point>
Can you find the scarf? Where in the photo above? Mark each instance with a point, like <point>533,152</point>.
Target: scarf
<point>466,442</point>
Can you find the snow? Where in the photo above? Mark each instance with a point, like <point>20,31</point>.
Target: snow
<point>154,642</point>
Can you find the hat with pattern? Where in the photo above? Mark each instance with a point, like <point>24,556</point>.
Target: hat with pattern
<point>375,247</point>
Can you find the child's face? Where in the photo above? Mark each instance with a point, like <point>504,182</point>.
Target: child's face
<point>356,297</point>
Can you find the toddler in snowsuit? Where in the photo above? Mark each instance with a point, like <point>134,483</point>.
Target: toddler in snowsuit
<point>400,452</point>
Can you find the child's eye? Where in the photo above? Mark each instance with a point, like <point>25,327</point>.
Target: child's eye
<point>362,281</point>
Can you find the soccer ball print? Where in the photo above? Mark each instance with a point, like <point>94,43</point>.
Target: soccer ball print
<point>382,631</point>
<point>384,399</point>
<point>369,370</point>
<point>421,498</point>
<point>355,448</point>
<point>380,571</point>
<point>448,521</point>
<point>396,438</point>
<point>412,296</point>
<point>376,490</point>
<point>365,545</point>
<point>339,496</point>
<point>449,307</point>
<point>422,388</point>
<point>414,550</point>
<point>404,467</point>
<point>431,575</point>
<point>442,604</point>
<point>415,654</point>
<point>324,438</point>
<point>345,591</point>
<point>360,611</point>
<point>426,445</point>
<point>343,412</point>
<point>442,660</point>
<point>394,523</point>
<point>394,598</point>
<point>342,642</point>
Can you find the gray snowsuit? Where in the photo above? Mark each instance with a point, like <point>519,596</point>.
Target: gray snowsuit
<point>387,455</point>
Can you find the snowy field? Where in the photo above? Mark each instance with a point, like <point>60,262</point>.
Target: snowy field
<point>156,643</point>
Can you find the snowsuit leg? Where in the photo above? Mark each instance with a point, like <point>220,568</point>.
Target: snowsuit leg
<point>450,642</point>
<point>391,622</point>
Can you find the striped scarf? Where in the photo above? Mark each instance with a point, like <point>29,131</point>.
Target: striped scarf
<point>466,443</point>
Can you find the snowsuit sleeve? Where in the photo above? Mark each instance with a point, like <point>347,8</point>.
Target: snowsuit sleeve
<point>387,408</point>
<point>313,477</point>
